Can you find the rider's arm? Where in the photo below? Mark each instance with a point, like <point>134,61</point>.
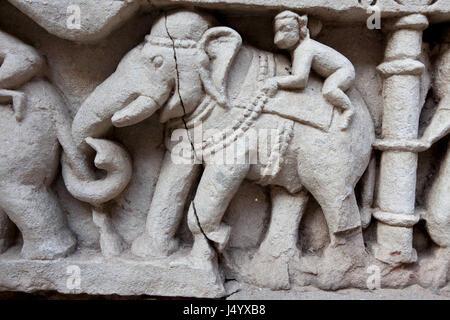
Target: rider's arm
<point>301,67</point>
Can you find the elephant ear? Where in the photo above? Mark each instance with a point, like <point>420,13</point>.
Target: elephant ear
<point>218,48</point>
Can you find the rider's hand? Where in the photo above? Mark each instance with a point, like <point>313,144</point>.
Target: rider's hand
<point>270,87</point>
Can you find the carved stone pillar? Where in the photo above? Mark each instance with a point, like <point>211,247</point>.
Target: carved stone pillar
<point>401,110</point>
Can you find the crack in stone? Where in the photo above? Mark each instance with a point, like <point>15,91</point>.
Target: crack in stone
<point>210,242</point>
<point>178,84</point>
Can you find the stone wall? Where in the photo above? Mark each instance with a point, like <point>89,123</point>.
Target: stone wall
<point>191,147</point>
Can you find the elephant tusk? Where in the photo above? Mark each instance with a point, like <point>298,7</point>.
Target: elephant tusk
<point>137,111</point>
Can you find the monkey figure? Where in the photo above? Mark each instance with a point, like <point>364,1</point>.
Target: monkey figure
<point>292,34</point>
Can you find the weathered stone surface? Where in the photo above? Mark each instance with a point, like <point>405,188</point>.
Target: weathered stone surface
<point>99,276</point>
<point>168,151</point>
<point>97,18</point>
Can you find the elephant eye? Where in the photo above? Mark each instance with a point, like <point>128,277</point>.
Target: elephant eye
<point>157,61</point>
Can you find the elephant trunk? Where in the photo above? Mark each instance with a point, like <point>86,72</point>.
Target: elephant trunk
<point>110,157</point>
<point>78,175</point>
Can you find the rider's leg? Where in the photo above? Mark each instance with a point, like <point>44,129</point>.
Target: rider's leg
<point>166,209</point>
<point>334,89</point>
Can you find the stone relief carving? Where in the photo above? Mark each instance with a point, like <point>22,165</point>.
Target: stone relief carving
<point>288,125</point>
<point>30,155</point>
<point>437,216</point>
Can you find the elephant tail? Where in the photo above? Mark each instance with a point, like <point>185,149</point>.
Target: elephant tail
<point>367,192</point>
<point>437,215</point>
<point>110,157</point>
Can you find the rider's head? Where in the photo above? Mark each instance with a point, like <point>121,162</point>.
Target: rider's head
<point>290,29</point>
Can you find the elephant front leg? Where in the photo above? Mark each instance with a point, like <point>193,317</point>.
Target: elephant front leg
<point>217,187</point>
<point>6,232</point>
<point>166,209</point>
<point>270,264</point>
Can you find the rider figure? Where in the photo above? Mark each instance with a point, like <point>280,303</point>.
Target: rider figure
<point>291,33</point>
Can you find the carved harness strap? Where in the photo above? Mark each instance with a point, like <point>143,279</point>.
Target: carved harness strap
<point>241,125</point>
<point>267,70</point>
<point>276,158</point>
<point>252,111</point>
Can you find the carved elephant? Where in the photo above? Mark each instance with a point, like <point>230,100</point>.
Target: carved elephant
<point>189,70</point>
<point>34,122</point>
<point>437,215</point>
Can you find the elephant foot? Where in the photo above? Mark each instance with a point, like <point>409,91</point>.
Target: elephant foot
<point>145,246</point>
<point>201,256</point>
<point>340,261</point>
<point>49,248</point>
<point>270,268</point>
<point>269,272</point>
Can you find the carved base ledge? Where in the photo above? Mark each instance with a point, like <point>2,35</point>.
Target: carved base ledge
<point>125,275</point>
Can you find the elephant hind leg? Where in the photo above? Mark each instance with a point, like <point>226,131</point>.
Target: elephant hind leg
<point>270,265</point>
<point>287,211</point>
<point>39,217</point>
<point>7,232</point>
<point>346,252</point>
<point>343,218</point>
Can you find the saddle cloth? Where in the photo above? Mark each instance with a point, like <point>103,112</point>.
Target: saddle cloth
<point>307,106</point>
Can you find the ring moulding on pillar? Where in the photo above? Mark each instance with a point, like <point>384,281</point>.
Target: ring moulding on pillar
<point>401,72</point>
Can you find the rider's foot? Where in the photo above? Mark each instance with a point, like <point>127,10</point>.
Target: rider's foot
<point>347,118</point>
